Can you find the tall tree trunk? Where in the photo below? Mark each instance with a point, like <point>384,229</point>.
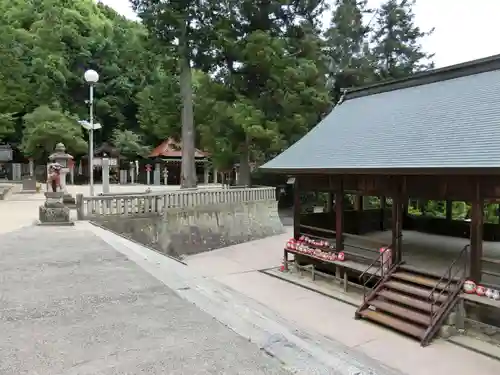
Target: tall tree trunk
<point>244,170</point>
<point>188,167</point>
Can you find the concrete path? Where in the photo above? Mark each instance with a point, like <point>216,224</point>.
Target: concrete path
<point>299,351</point>
<point>71,304</point>
<point>98,310</point>
<point>237,267</point>
<point>22,209</point>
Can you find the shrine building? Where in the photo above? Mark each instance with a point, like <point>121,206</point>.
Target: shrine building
<point>432,136</point>
<point>169,155</point>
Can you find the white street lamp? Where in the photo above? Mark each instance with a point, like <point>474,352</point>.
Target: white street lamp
<point>87,126</point>
<point>91,77</point>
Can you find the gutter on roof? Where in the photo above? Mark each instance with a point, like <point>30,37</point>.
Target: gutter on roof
<point>482,65</point>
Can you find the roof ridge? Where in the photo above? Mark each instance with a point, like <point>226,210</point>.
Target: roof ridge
<point>467,68</point>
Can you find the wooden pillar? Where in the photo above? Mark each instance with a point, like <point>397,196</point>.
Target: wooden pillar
<point>397,223</point>
<point>476,236</point>
<point>383,205</point>
<point>329,202</point>
<point>394,227</point>
<point>401,212</point>
<point>296,209</point>
<point>404,210</point>
<point>449,205</point>
<point>339,217</point>
<point>358,202</point>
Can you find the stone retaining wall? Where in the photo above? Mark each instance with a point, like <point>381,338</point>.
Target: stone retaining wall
<point>186,223</point>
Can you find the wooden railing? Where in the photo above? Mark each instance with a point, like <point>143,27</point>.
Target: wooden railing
<point>156,203</point>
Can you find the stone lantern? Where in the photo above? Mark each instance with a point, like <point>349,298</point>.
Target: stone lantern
<point>61,157</point>
<point>54,210</point>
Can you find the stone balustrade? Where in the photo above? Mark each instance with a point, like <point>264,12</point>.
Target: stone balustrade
<point>155,203</point>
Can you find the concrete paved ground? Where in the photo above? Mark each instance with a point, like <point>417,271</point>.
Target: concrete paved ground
<point>300,351</point>
<point>237,267</point>
<point>71,304</point>
<point>22,209</point>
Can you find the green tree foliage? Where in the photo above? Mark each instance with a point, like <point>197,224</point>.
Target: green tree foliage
<point>158,108</point>
<point>459,210</point>
<point>368,45</point>
<point>129,144</point>
<point>7,125</point>
<point>45,127</point>
<point>46,46</point>
<point>184,28</point>
<point>159,104</point>
<point>347,46</point>
<point>270,86</point>
<point>397,50</point>
<point>253,74</point>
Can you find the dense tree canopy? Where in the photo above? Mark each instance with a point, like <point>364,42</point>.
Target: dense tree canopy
<point>397,50</point>
<point>241,79</point>
<point>347,46</point>
<point>47,45</point>
<point>45,127</point>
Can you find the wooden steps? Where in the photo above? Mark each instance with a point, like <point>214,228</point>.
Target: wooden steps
<point>403,299</point>
<point>403,312</point>
<point>419,280</point>
<point>392,322</point>
<point>403,302</point>
<point>421,272</point>
<point>423,293</point>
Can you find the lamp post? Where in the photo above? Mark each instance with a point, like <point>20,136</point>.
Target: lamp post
<point>91,127</point>
<point>91,77</point>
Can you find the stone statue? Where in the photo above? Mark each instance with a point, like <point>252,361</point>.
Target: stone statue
<point>54,177</point>
<point>63,160</point>
<point>54,210</point>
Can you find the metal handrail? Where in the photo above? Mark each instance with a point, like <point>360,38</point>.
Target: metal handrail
<point>431,298</point>
<point>377,259</point>
<point>381,268</point>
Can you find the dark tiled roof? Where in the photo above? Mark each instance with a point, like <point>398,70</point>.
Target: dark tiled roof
<point>431,121</point>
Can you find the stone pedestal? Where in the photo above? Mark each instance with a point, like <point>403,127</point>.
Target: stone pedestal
<point>16,172</point>
<point>105,175</point>
<point>157,175</point>
<point>29,185</point>
<point>132,174</point>
<point>123,176</point>
<point>32,167</point>
<point>53,211</point>
<point>206,175</point>
<point>165,176</point>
